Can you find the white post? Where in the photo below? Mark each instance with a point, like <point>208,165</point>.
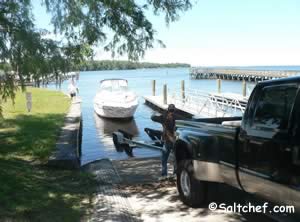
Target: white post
<point>29,101</point>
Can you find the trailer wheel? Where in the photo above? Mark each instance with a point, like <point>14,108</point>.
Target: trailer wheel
<point>191,191</point>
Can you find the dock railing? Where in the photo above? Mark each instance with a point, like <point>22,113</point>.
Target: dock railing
<point>201,103</point>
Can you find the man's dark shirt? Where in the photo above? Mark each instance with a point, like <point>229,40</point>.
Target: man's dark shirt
<point>168,122</point>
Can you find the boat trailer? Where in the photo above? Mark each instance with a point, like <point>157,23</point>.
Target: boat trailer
<point>124,141</point>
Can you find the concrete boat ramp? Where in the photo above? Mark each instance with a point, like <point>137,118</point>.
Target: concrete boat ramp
<point>129,190</point>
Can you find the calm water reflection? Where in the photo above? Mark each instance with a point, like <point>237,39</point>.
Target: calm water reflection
<point>108,126</point>
<point>97,139</point>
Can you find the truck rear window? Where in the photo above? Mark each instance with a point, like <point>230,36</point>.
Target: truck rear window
<point>274,106</point>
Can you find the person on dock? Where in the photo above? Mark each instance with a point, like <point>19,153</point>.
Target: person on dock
<point>168,123</point>
<point>72,89</point>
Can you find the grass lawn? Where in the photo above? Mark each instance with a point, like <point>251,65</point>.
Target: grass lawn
<point>30,191</point>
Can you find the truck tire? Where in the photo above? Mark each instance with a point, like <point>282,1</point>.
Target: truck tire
<point>192,192</point>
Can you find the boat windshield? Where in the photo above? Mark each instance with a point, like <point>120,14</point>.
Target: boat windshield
<point>114,85</point>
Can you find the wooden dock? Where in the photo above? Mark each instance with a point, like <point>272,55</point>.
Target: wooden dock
<point>201,104</point>
<point>239,74</point>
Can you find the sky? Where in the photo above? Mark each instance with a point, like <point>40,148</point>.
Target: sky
<point>223,33</point>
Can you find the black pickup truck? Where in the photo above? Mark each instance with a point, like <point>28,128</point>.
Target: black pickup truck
<point>258,153</point>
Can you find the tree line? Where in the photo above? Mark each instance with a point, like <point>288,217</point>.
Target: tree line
<point>119,27</point>
<point>121,65</point>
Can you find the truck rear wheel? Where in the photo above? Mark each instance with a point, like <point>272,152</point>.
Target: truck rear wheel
<point>191,191</point>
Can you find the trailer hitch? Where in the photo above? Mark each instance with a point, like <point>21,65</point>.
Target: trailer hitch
<point>124,141</point>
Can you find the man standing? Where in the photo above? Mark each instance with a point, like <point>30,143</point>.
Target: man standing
<point>168,123</point>
<point>72,89</point>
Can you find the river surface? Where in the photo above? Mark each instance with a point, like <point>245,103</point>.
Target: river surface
<point>97,132</point>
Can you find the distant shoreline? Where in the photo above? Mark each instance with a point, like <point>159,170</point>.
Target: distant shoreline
<point>126,65</point>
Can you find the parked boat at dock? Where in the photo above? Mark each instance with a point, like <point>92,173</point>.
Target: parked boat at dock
<point>115,100</point>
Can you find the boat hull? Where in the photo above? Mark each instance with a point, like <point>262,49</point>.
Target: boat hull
<point>116,112</point>
<point>115,100</point>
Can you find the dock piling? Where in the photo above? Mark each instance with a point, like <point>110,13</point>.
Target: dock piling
<point>165,101</point>
<point>244,88</point>
<point>153,87</point>
<point>182,90</point>
<point>219,85</point>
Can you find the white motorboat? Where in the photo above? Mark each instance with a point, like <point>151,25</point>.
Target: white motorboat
<point>115,100</point>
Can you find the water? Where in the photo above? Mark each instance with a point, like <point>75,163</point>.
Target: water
<point>97,140</point>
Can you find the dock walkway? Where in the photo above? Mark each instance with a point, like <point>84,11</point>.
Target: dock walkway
<point>239,74</point>
<point>67,148</point>
<point>201,104</point>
